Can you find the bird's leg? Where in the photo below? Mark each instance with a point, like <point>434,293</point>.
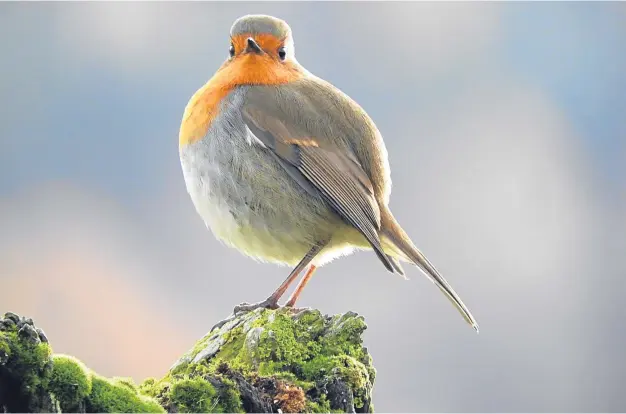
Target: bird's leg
<point>296,293</point>
<point>269,303</point>
<point>272,301</point>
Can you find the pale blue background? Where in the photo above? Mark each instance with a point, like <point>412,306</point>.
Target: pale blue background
<point>506,129</point>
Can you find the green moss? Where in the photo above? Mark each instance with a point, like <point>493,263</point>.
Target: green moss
<point>27,360</point>
<point>109,397</point>
<point>159,390</point>
<point>5,349</point>
<point>70,382</point>
<point>308,351</point>
<point>127,382</point>
<point>232,348</point>
<point>366,359</point>
<point>229,398</point>
<point>300,350</point>
<point>194,392</point>
<point>147,387</point>
<point>352,371</point>
<point>201,369</point>
<point>286,342</point>
<point>193,395</point>
<point>321,406</point>
<point>300,343</point>
<point>280,343</point>
<point>180,368</point>
<point>355,375</point>
<point>347,368</point>
<point>345,336</point>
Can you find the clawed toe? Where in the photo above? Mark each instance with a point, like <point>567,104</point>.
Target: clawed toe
<point>242,306</point>
<point>248,307</point>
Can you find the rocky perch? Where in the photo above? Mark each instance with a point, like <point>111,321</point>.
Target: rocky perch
<point>260,361</point>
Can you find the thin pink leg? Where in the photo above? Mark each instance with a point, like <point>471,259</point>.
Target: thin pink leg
<point>296,294</point>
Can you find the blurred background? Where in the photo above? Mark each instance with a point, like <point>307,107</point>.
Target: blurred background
<point>506,131</point>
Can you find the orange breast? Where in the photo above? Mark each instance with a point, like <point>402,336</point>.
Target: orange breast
<point>251,69</point>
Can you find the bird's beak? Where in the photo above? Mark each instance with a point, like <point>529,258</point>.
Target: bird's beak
<point>253,47</point>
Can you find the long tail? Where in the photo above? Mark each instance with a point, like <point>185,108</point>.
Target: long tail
<point>395,239</point>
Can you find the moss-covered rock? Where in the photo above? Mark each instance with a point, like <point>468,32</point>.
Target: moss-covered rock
<point>259,361</point>
<point>32,379</point>
<point>25,367</point>
<point>294,362</point>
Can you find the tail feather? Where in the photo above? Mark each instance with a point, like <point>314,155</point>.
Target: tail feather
<point>395,263</point>
<point>397,241</point>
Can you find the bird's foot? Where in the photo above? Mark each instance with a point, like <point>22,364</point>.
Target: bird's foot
<point>268,303</point>
<point>248,307</point>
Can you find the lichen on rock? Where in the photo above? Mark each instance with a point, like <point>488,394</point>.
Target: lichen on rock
<point>260,361</point>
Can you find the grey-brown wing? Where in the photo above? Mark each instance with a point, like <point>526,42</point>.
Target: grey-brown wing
<point>321,169</point>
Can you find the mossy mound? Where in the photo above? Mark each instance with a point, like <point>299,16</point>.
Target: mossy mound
<point>111,396</point>
<point>25,366</point>
<point>259,361</point>
<point>275,360</point>
<point>70,382</point>
<point>32,379</point>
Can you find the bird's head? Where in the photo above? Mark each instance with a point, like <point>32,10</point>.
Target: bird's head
<point>261,51</point>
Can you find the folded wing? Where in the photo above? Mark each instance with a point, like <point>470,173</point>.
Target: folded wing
<point>320,168</point>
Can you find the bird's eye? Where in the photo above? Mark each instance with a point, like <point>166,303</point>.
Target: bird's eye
<point>231,50</point>
<point>282,54</point>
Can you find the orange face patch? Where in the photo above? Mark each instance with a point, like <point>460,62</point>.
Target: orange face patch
<point>243,69</point>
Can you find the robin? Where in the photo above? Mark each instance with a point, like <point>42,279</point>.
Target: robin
<point>287,168</point>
